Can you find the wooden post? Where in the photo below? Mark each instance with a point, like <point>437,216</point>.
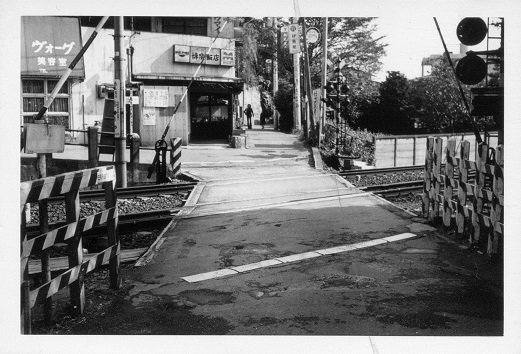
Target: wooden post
<point>44,227</point>
<point>25,284</point>
<point>427,177</point>
<point>113,234</point>
<point>481,160</point>
<point>449,178</point>
<point>496,216</point>
<point>135,143</point>
<point>461,219</point>
<point>437,157</point>
<point>93,146</point>
<point>75,251</point>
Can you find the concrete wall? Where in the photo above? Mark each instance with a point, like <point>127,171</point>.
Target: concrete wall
<point>403,150</point>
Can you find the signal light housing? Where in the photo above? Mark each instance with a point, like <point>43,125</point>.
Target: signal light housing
<point>471,69</point>
<point>471,30</point>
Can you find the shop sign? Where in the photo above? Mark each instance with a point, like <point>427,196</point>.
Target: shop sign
<point>49,45</point>
<point>294,38</point>
<point>227,57</point>
<point>155,97</point>
<point>181,53</point>
<point>199,55</point>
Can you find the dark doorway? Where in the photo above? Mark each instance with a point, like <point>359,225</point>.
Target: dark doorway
<point>210,116</point>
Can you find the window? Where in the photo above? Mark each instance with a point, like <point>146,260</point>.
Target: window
<point>34,94</point>
<point>185,25</point>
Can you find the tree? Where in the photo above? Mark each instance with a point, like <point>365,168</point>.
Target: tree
<point>438,104</point>
<point>395,109</point>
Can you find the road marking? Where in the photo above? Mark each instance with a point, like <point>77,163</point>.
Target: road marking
<point>294,258</point>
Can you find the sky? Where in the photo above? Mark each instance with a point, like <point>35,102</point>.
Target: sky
<point>410,39</point>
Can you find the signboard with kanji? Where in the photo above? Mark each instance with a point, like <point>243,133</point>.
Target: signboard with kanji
<point>227,57</point>
<point>198,55</point>
<point>49,45</point>
<point>155,97</point>
<point>294,38</point>
<point>181,53</point>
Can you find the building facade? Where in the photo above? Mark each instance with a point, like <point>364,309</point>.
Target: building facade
<point>168,60</point>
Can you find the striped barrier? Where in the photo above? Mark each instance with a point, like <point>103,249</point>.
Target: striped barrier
<point>477,206</point>
<point>175,155</point>
<point>68,185</point>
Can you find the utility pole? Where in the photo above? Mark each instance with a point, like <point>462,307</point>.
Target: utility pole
<point>296,97</point>
<point>275,73</point>
<point>119,104</point>
<point>324,79</point>
<point>309,91</point>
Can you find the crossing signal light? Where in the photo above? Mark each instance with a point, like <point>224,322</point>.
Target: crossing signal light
<point>471,69</point>
<point>330,114</point>
<point>471,30</point>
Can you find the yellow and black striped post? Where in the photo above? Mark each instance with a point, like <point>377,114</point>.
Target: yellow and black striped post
<point>175,155</point>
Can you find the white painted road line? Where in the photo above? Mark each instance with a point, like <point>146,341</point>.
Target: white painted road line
<point>398,237</point>
<point>210,275</point>
<point>251,266</point>
<point>298,257</point>
<point>294,258</point>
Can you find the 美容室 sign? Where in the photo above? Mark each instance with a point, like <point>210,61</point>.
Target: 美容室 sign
<point>49,45</point>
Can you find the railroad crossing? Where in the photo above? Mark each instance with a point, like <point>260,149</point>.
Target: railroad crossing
<point>274,246</point>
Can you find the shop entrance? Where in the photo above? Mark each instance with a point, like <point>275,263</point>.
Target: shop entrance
<point>211,116</point>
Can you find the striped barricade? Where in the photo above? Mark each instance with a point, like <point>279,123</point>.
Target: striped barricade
<point>175,155</point>
<point>68,185</point>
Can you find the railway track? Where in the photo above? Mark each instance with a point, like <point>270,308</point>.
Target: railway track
<point>131,220</point>
<point>133,192</point>
<point>395,189</point>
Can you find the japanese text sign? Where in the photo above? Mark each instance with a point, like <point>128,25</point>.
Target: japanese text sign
<point>49,45</point>
<point>155,97</point>
<point>294,38</point>
<point>198,55</point>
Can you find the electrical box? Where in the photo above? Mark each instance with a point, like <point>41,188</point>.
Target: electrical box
<point>44,138</point>
<point>102,91</point>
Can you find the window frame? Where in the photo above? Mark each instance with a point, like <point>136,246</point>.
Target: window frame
<point>184,22</point>
<point>46,93</point>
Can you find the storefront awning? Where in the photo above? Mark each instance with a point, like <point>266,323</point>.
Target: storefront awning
<point>49,45</point>
<point>206,82</point>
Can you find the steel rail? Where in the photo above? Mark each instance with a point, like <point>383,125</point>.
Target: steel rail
<point>380,171</point>
<point>132,192</point>
<point>125,220</point>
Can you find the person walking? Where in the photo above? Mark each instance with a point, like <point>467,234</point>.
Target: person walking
<point>249,113</point>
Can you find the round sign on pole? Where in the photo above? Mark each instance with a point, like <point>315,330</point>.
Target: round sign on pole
<point>312,35</point>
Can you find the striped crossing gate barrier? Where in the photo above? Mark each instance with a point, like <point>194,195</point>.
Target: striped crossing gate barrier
<point>175,155</point>
<point>68,185</point>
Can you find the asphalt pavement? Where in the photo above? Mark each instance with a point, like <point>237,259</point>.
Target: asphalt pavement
<point>269,245</point>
